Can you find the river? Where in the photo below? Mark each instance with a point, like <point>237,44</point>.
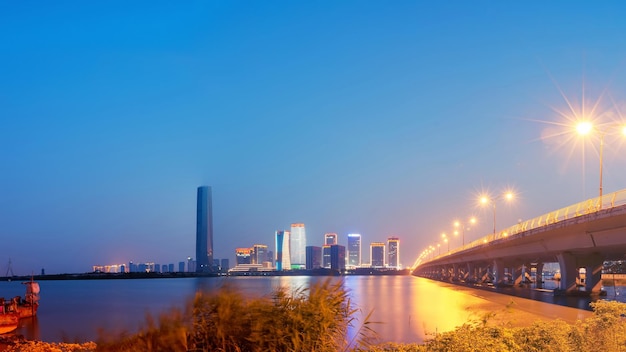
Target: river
<point>406,308</point>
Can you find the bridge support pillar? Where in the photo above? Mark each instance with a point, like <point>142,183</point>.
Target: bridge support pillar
<point>539,276</point>
<point>470,275</point>
<point>593,265</point>
<point>455,272</point>
<point>569,271</point>
<point>498,268</point>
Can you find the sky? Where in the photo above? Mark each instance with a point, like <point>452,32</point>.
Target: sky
<point>371,117</point>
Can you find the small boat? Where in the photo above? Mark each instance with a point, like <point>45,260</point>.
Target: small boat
<point>27,307</point>
<point>9,317</point>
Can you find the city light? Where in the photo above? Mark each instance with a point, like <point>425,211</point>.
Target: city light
<point>487,199</point>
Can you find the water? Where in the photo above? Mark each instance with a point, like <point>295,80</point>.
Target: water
<point>408,309</point>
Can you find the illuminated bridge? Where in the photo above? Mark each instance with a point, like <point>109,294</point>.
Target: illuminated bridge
<point>583,235</point>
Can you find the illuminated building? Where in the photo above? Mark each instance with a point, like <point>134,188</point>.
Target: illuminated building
<point>243,255</point>
<point>326,256</point>
<point>297,245</point>
<point>330,238</point>
<point>338,257</point>
<point>313,257</point>
<point>259,254</point>
<point>204,230</point>
<point>393,248</point>
<point>354,250</point>
<point>377,254</point>
<point>283,259</point>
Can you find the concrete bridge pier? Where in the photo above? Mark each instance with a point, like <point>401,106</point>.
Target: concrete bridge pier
<point>498,268</point>
<point>539,276</point>
<point>570,272</point>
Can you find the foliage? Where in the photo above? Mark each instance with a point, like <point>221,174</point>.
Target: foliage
<point>315,319</point>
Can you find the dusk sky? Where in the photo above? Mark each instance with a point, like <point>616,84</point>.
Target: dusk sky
<point>371,117</point>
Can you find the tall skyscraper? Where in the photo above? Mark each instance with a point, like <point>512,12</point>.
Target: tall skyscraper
<point>377,254</point>
<point>283,261</point>
<point>313,257</point>
<point>354,250</point>
<point>330,238</point>
<point>298,246</point>
<point>204,230</point>
<point>326,256</point>
<point>393,252</point>
<point>337,257</point>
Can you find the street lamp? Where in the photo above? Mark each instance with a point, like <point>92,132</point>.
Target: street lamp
<point>458,224</point>
<point>445,240</point>
<point>485,200</point>
<point>586,127</point>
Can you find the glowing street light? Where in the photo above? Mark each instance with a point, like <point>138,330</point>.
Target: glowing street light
<point>586,127</point>
<point>457,224</point>
<point>485,200</point>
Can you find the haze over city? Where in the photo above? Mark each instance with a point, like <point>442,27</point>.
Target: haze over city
<point>384,119</point>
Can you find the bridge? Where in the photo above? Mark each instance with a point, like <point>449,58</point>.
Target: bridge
<point>583,235</point>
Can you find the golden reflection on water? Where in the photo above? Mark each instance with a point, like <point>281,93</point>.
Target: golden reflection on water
<point>410,309</point>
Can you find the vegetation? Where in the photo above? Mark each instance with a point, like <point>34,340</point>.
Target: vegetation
<point>316,319</point>
<point>321,319</point>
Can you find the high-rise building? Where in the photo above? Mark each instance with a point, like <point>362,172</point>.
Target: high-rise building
<point>259,254</point>
<point>225,265</point>
<point>181,267</point>
<point>393,252</point>
<point>330,238</point>
<point>354,250</point>
<point>326,256</point>
<point>204,230</point>
<point>243,255</point>
<point>313,257</point>
<point>298,246</point>
<point>377,254</point>
<point>337,257</point>
<point>283,261</point>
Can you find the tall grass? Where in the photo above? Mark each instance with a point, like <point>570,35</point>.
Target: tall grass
<point>308,319</point>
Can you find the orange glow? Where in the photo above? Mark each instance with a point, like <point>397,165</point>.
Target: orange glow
<point>584,128</point>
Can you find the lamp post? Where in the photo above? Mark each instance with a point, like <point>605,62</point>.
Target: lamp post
<point>508,196</point>
<point>458,224</point>
<point>586,127</point>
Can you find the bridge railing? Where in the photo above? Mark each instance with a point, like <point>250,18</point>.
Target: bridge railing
<point>589,206</point>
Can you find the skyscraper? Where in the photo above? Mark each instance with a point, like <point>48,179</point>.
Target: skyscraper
<point>326,256</point>
<point>330,238</point>
<point>354,250</point>
<point>204,230</point>
<point>283,261</point>
<point>298,246</point>
<point>337,257</point>
<point>259,254</point>
<point>313,257</point>
<point>393,247</point>
<point>377,254</point>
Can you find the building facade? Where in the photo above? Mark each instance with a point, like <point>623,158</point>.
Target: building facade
<point>338,257</point>
<point>326,256</point>
<point>204,230</point>
<point>283,258</point>
<point>393,252</point>
<point>298,246</point>
<point>354,250</point>
<point>377,254</point>
<point>243,256</point>
<point>330,238</point>
<point>313,257</point>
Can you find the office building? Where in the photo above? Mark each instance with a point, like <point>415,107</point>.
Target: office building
<point>354,250</point>
<point>326,256</point>
<point>204,230</point>
<point>338,257</point>
<point>330,238</point>
<point>377,254</point>
<point>393,252</point>
<point>283,258</point>
<point>313,257</point>
<point>225,265</point>
<point>259,254</point>
<point>181,267</point>
<point>297,245</point>
<point>242,256</point>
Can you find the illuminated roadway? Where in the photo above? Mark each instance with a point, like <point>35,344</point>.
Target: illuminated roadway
<point>583,235</point>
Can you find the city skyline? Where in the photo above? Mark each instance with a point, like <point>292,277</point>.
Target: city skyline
<point>350,117</point>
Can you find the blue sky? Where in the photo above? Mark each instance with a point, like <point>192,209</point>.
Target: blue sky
<point>380,118</point>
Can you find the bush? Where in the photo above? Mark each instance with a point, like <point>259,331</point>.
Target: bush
<point>314,319</point>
